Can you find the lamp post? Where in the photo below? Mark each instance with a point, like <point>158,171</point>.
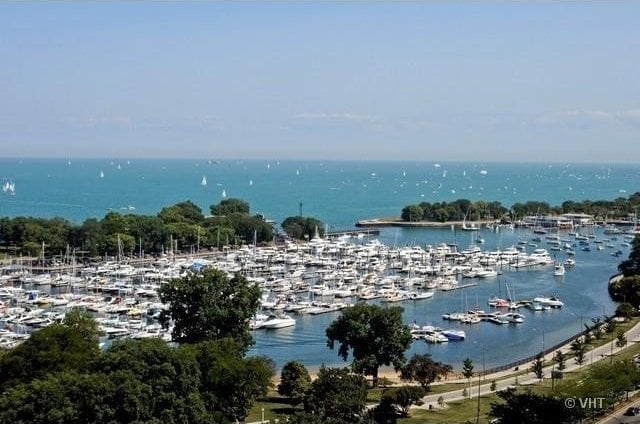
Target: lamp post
<point>262,410</point>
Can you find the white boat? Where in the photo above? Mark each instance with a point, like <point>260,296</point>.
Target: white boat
<point>282,321</point>
<point>569,263</point>
<point>454,334</point>
<point>420,295</point>
<point>558,270</point>
<point>487,273</point>
<point>224,193</point>
<point>512,317</point>
<point>552,301</point>
<point>204,181</point>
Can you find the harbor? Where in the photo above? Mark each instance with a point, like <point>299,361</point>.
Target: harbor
<point>470,295</point>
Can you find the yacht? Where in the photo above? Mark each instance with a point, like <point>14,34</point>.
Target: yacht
<point>275,321</point>
<point>454,335</point>
<point>552,301</point>
<point>558,271</point>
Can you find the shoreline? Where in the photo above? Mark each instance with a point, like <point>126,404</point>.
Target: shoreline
<point>398,222</point>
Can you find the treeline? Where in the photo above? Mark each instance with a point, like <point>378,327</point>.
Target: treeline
<point>627,288</point>
<point>481,210</point>
<point>184,224</point>
<point>59,375</point>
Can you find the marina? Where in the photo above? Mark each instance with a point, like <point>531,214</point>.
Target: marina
<point>427,271</point>
<point>306,284</point>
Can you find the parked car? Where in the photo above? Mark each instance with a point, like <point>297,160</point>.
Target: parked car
<point>632,411</point>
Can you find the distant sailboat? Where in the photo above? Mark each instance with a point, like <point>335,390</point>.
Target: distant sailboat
<point>119,167</point>
<point>250,182</point>
<point>297,172</point>
<point>204,181</point>
<point>101,174</point>
<point>224,193</point>
<point>483,172</point>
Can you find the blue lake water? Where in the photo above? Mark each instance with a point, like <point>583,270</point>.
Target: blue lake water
<point>340,193</point>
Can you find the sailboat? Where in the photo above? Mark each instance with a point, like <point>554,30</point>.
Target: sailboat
<point>101,174</point>
<point>204,181</point>
<point>224,193</point>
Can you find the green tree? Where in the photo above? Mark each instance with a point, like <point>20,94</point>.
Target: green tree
<point>294,381</point>
<point>337,394</point>
<point>412,213</point>
<point>153,380</point>
<point>401,398</point>
<point>230,206</point>
<point>579,348</point>
<point>229,383</point>
<point>493,386</point>
<point>560,359</point>
<point>538,366</point>
<point>626,310</point>
<point>424,370</point>
<point>55,348</point>
<point>186,211</point>
<point>210,306</point>
<point>467,370</point>
<point>631,266</point>
<point>531,408</point>
<point>301,228</point>
<point>621,339</point>
<point>375,336</point>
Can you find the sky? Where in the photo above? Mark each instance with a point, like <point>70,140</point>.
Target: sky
<point>460,81</point>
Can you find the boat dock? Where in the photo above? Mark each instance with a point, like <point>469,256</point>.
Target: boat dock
<point>458,286</point>
<point>353,233</point>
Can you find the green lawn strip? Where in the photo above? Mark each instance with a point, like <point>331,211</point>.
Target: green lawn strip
<point>274,407</point>
<point>455,412</point>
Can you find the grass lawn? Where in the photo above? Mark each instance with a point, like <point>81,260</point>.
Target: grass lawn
<point>274,407</point>
<point>456,412</point>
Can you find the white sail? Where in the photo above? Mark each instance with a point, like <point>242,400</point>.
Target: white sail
<point>204,180</point>
<point>101,174</point>
<point>224,193</point>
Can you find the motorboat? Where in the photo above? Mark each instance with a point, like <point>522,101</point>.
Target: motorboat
<point>496,302</point>
<point>278,321</point>
<point>454,335</point>
<point>552,301</point>
<point>558,270</point>
<point>512,317</point>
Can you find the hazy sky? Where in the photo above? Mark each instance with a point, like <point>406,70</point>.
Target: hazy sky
<point>544,81</point>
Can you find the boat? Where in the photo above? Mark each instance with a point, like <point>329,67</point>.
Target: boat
<point>552,301</point>
<point>224,193</point>
<point>420,295</point>
<point>558,270</point>
<point>569,263</point>
<point>454,335</point>
<point>204,181</point>
<point>512,317</point>
<point>496,302</point>
<point>275,321</point>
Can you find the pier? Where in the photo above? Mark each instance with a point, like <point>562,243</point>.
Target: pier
<point>353,233</point>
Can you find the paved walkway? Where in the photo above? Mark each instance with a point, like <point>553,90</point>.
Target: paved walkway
<point>594,355</point>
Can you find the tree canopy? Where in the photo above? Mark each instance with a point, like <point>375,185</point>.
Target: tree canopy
<point>337,394</point>
<point>424,370</point>
<point>374,335</point>
<point>302,228</point>
<point>294,381</point>
<point>631,266</point>
<point>210,306</point>
<point>60,376</point>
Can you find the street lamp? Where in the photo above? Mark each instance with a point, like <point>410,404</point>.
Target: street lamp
<point>262,410</point>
